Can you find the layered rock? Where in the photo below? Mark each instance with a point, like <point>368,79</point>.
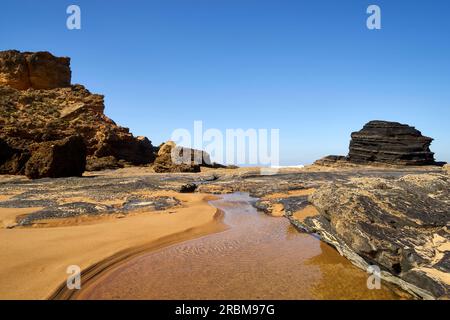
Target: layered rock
<point>400,225</point>
<point>331,160</point>
<point>52,109</point>
<point>392,143</point>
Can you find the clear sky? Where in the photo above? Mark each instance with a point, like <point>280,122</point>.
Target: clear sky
<point>310,68</point>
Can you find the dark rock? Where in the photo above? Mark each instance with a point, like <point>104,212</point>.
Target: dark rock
<point>135,150</point>
<point>263,206</point>
<point>213,177</point>
<point>392,143</point>
<point>68,210</point>
<point>188,188</point>
<point>397,224</point>
<point>12,161</point>
<point>55,159</point>
<point>105,163</point>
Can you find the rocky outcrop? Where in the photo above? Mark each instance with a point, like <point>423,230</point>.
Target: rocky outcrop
<point>105,163</point>
<point>12,161</point>
<point>400,225</point>
<point>54,159</point>
<point>331,160</point>
<point>52,109</point>
<point>37,70</point>
<point>172,158</point>
<point>392,143</point>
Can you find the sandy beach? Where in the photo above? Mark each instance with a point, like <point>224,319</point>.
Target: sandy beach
<point>35,259</point>
<point>106,221</point>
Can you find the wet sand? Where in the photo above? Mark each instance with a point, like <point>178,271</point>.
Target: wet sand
<point>34,260</point>
<point>258,257</point>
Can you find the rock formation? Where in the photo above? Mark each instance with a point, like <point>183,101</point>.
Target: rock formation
<point>447,168</point>
<point>53,159</point>
<point>186,159</point>
<point>104,163</point>
<point>38,104</point>
<point>400,225</point>
<point>331,160</point>
<point>392,143</point>
<point>37,70</point>
<point>384,143</point>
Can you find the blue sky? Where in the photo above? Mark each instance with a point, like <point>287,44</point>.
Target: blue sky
<point>310,68</point>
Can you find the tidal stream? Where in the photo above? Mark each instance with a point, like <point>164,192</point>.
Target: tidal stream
<point>257,257</point>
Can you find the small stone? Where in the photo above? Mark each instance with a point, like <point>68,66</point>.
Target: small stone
<point>188,188</point>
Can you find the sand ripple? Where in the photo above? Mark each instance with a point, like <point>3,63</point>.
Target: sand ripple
<point>259,257</point>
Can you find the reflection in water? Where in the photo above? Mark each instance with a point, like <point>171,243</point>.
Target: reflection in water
<point>259,257</point>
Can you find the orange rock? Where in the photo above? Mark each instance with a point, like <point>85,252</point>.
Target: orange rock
<point>36,70</point>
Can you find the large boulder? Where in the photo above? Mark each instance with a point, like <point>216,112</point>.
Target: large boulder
<point>392,143</point>
<point>135,150</point>
<point>54,159</point>
<point>399,225</point>
<point>172,158</point>
<point>37,70</point>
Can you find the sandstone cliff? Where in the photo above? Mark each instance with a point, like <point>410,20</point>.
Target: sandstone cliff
<point>38,104</point>
<point>37,70</point>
